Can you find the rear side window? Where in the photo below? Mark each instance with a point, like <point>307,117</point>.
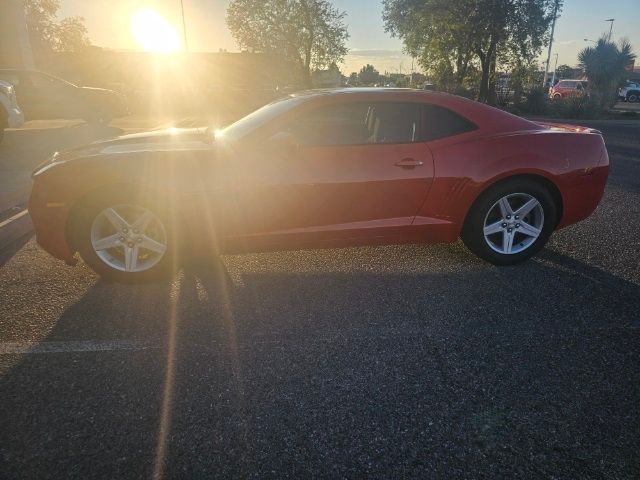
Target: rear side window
<point>439,122</point>
<point>358,123</point>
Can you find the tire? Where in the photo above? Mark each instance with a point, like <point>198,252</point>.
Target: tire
<point>557,96</point>
<point>489,211</point>
<point>105,234</point>
<point>633,97</point>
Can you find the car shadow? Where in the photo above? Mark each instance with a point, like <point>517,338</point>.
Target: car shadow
<point>299,369</point>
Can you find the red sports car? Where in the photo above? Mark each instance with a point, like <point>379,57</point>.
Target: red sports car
<point>318,169</point>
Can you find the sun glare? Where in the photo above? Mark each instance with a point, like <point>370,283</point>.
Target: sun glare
<point>153,33</point>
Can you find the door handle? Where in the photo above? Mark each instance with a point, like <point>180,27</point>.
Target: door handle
<point>409,163</point>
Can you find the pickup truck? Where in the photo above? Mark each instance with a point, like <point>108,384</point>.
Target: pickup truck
<point>629,92</point>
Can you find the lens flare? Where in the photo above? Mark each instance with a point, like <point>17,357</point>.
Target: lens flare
<point>153,32</point>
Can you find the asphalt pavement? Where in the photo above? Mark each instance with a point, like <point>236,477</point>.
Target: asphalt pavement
<point>390,362</point>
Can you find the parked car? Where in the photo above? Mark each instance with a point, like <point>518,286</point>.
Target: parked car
<point>10,114</point>
<point>317,169</point>
<point>629,92</point>
<point>43,96</point>
<point>568,88</point>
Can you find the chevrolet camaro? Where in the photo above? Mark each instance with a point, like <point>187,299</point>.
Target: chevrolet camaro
<point>320,169</point>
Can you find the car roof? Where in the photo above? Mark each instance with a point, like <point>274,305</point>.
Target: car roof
<point>489,119</point>
<point>360,90</point>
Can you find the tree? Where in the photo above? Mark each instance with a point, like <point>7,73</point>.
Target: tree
<point>564,71</point>
<point>450,36</point>
<point>310,33</point>
<point>605,65</point>
<point>47,35</point>
<point>368,75</point>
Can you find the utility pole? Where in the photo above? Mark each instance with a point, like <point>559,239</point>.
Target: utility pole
<point>553,77</point>
<point>184,27</point>
<point>556,6</point>
<point>610,28</point>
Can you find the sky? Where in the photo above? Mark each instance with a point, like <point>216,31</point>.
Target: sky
<point>108,24</point>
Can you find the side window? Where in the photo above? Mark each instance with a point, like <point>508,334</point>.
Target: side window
<point>358,123</point>
<point>439,122</point>
<point>563,84</point>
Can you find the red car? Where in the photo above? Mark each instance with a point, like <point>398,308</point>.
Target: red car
<point>321,169</point>
<point>568,88</point>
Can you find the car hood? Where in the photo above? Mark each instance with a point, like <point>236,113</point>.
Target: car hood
<point>172,139</point>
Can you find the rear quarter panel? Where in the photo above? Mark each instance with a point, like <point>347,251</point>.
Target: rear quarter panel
<point>576,163</point>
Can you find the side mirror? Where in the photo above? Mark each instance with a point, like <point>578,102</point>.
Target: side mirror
<point>284,141</point>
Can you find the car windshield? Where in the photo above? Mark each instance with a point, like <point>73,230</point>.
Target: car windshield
<point>251,122</point>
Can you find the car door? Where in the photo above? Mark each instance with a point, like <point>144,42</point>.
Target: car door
<point>355,169</point>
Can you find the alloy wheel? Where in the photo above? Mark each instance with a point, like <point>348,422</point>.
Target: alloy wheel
<point>513,223</point>
<point>128,238</point>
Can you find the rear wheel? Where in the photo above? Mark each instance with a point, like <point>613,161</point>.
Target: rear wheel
<point>125,239</point>
<point>511,222</point>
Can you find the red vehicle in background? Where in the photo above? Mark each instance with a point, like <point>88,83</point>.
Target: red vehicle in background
<point>568,88</point>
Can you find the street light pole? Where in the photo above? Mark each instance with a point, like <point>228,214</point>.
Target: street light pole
<point>184,27</point>
<point>611,27</point>
<point>553,28</point>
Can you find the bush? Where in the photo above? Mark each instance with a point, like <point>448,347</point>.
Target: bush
<point>463,92</point>
<point>575,107</point>
<point>537,102</point>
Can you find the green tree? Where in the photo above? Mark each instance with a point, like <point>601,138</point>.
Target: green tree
<point>564,71</point>
<point>450,36</point>
<point>368,75</point>
<point>310,33</point>
<point>605,65</point>
<point>47,34</point>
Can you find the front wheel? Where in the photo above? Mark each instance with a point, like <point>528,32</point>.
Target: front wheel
<point>511,222</point>
<point>633,97</point>
<point>125,240</point>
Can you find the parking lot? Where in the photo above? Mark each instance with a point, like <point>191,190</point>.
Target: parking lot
<point>391,362</point>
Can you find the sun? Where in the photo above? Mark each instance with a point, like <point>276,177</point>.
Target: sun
<point>153,32</point>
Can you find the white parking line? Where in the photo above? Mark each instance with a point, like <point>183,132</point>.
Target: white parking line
<point>14,218</point>
<point>21,348</point>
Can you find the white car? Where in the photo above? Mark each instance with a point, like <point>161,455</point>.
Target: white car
<point>630,92</point>
<point>10,114</point>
